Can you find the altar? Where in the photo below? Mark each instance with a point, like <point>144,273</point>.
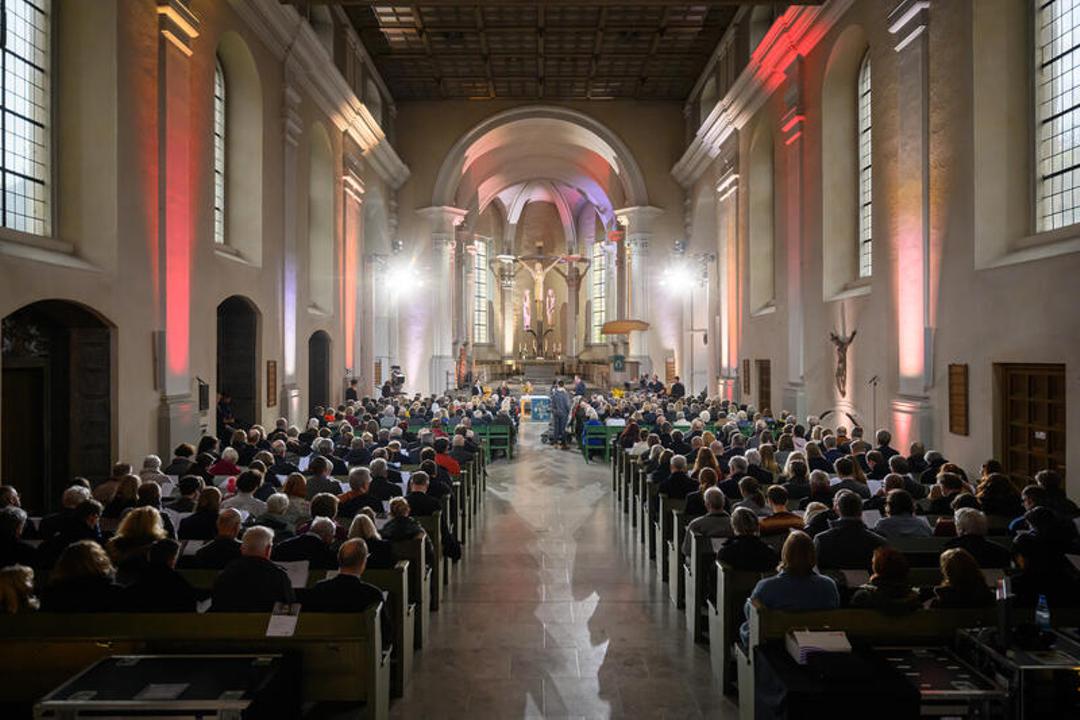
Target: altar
<point>540,372</point>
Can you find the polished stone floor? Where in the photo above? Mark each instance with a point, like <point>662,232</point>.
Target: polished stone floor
<point>552,613</point>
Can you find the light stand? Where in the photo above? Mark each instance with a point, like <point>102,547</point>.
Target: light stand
<point>873,383</point>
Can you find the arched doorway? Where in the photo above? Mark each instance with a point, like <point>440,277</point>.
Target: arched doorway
<point>57,399</point>
<point>318,370</point>
<point>238,359</point>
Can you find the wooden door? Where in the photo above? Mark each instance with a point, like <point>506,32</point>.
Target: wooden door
<point>764,373</point>
<point>24,436</point>
<point>91,403</point>
<point>1031,418</point>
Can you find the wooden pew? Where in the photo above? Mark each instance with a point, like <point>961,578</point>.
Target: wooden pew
<point>936,627</point>
<point>341,656</point>
<point>696,586</point>
<point>733,587</point>
<point>926,552</point>
<point>395,581</point>
<point>652,489</point>
<point>662,530</point>
<point>432,525</point>
<point>412,551</point>
<point>676,576</point>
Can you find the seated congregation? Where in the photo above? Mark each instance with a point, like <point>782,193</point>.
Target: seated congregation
<point>751,517</point>
<point>358,512</point>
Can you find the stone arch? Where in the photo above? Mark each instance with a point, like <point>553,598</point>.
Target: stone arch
<point>840,175</point>
<point>243,148</point>
<point>560,134</point>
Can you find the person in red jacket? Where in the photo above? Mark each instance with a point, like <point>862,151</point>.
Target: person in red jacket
<point>443,459</point>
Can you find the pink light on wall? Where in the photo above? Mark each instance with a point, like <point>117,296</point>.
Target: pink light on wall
<point>351,266</point>
<point>909,299</point>
<point>901,428</point>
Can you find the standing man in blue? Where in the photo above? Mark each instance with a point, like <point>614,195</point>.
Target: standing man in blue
<point>579,386</point>
<point>560,413</point>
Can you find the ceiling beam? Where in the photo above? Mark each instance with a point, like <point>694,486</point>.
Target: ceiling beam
<point>558,3</point>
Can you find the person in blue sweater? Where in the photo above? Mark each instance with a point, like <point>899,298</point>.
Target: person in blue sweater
<point>797,586</point>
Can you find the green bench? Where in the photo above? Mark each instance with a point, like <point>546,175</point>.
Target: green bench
<point>341,655</point>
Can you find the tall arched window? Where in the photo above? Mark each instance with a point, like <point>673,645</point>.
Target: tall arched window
<point>599,291</point>
<point>219,153</point>
<point>1057,115</point>
<point>866,193</point>
<point>25,164</point>
<point>481,292</point>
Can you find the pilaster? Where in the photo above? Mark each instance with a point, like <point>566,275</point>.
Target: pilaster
<point>177,28</point>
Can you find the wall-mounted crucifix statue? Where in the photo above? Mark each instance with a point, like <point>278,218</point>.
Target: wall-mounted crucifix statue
<point>841,341</point>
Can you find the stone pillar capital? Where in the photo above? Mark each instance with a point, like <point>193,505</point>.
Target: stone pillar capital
<point>353,184</point>
<point>177,24</point>
<point>443,218</point>
<point>908,21</point>
<point>638,219</point>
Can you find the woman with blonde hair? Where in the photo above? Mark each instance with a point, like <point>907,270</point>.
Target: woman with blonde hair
<point>140,528</point>
<point>704,459</point>
<point>707,438</point>
<point>17,590</point>
<point>82,581</point>
<point>768,461</point>
<point>295,489</point>
<point>380,552</point>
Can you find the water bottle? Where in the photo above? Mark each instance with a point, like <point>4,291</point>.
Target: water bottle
<point>1042,614</point>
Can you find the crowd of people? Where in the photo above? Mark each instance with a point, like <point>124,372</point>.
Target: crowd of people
<point>333,493</point>
<point>807,502</point>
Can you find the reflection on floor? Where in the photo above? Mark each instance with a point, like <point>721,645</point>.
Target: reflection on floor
<point>553,614</point>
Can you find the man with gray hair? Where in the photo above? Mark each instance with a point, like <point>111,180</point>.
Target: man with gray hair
<point>359,495</point>
<point>754,469</point>
<point>678,484</point>
<point>714,523</point>
<point>746,551</point>
<point>314,546</point>
<point>971,528</point>
<point>70,499</point>
<point>13,549</point>
<point>737,466</point>
<point>252,583</point>
<point>321,481</point>
<point>324,447</point>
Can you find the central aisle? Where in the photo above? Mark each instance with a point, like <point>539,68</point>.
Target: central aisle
<point>551,615</point>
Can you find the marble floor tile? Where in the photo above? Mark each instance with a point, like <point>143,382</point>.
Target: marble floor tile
<point>555,611</point>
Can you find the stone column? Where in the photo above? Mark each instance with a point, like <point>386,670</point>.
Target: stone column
<point>352,201</point>
<point>573,303</point>
<point>380,301</point>
<point>727,275</point>
<point>504,273</point>
<point>178,412</point>
<point>440,264</point>
<point>910,407</point>
<point>794,391</point>
<point>293,130</point>
<point>639,223</point>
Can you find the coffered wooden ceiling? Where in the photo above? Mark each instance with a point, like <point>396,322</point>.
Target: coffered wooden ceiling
<point>551,50</point>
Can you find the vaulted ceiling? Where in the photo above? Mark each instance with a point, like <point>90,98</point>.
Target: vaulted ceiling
<point>543,50</point>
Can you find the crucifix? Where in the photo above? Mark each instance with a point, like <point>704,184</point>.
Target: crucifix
<point>842,341</point>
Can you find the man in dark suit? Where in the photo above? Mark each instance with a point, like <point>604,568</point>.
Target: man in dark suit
<point>678,484</point>
<point>324,448</point>
<point>52,524</point>
<point>252,583</point>
<point>848,544</point>
<point>82,525</point>
<point>347,592</point>
<point>158,587</point>
<point>13,549</point>
<point>971,530</point>
<point>223,549</point>
<point>281,465</point>
<point>359,495</point>
<point>884,437</point>
<point>730,487</point>
<point>382,486</point>
<point>420,503</point>
<point>845,470</point>
<point>188,494</point>
<point>678,390</point>
<point>746,551</point>
<point>315,546</point>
